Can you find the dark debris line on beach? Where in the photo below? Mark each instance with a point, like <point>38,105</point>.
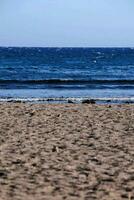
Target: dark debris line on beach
<point>83,100</point>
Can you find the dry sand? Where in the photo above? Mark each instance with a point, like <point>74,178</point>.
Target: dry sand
<point>73,152</point>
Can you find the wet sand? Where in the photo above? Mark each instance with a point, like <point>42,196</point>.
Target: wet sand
<point>72,152</point>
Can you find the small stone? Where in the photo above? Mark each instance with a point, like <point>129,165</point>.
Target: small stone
<point>88,101</point>
<point>55,149</point>
<point>82,178</point>
<point>70,101</point>
<point>3,173</point>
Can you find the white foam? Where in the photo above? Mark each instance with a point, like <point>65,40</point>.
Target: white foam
<point>66,99</point>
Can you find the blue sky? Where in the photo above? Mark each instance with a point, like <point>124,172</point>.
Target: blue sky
<point>70,23</point>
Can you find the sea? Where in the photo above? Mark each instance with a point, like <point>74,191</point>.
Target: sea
<point>37,73</point>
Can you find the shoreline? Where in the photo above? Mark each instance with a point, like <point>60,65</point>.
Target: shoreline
<point>117,100</point>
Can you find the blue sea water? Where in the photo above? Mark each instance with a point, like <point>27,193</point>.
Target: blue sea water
<point>66,72</point>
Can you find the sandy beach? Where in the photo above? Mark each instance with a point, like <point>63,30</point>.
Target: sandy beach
<point>66,151</point>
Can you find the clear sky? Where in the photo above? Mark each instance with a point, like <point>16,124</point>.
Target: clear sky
<point>70,23</point>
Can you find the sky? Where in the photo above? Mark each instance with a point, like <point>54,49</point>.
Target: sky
<point>67,23</point>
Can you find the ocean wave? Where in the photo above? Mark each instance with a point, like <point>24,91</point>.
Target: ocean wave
<point>68,81</point>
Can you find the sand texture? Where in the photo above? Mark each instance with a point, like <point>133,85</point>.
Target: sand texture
<point>71,152</point>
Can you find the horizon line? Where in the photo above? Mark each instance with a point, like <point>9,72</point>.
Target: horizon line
<point>108,47</point>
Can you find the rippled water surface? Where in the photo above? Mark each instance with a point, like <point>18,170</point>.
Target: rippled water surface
<point>56,72</point>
